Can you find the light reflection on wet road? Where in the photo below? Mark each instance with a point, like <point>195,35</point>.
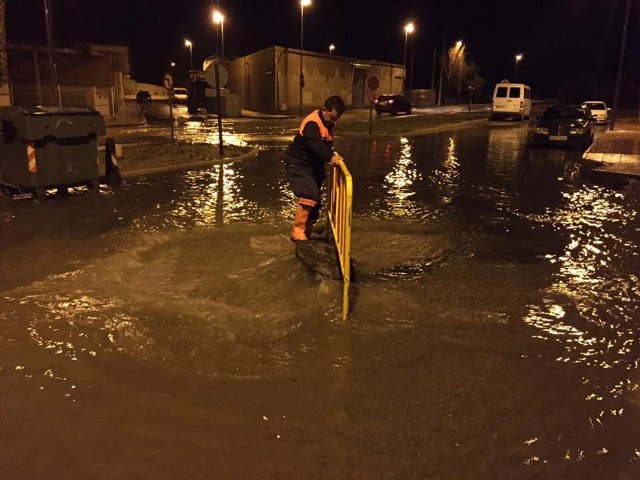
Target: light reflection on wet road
<point>166,330</point>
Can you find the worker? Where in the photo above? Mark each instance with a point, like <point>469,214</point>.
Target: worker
<point>305,161</point>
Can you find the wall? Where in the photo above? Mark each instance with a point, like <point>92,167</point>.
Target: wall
<point>268,80</point>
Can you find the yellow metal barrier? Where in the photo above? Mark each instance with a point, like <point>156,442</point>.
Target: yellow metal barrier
<point>339,211</point>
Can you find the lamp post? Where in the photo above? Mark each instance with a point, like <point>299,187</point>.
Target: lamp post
<point>218,19</point>
<point>515,71</point>
<point>303,3</point>
<point>188,43</point>
<point>332,47</point>
<point>616,92</point>
<point>408,28</point>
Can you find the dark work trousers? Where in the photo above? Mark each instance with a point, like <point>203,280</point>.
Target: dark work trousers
<point>305,182</point>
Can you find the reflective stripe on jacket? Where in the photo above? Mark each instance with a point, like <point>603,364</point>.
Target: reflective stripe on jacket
<point>315,117</point>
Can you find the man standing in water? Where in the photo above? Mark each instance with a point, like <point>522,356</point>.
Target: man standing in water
<point>305,160</point>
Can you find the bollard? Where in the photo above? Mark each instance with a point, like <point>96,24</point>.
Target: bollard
<point>111,172</point>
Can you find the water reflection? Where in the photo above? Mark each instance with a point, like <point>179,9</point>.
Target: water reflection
<point>447,178</point>
<point>210,197</point>
<point>503,151</point>
<point>400,181</point>
<point>591,308</point>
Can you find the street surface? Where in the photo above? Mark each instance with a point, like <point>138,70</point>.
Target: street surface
<point>165,329</point>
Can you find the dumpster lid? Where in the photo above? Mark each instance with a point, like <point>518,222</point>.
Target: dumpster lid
<point>46,110</point>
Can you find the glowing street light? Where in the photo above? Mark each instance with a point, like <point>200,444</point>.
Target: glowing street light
<point>218,19</point>
<point>459,43</point>
<point>188,43</point>
<point>332,47</point>
<point>303,3</point>
<point>173,64</point>
<point>408,28</point>
<point>515,71</point>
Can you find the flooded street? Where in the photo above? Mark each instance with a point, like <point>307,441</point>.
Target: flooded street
<point>165,329</point>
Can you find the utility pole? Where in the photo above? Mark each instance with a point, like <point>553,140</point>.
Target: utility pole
<point>411,76</point>
<point>53,75</point>
<point>442,66</point>
<point>616,95</point>
<point>433,70</point>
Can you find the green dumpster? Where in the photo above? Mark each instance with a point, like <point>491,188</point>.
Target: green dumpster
<point>48,147</point>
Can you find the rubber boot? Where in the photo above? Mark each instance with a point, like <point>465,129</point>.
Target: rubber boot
<point>308,228</point>
<point>299,224</point>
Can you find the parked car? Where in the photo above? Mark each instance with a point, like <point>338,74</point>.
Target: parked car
<point>393,104</point>
<point>143,96</point>
<point>598,110</point>
<point>511,100</point>
<point>180,95</point>
<point>564,125</point>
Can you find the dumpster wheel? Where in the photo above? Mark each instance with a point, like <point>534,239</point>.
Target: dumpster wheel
<point>5,191</point>
<point>40,195</point>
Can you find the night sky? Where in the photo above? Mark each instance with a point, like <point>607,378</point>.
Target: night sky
<point>560,39</point>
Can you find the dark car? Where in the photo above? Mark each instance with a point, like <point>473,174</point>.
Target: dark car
<point>564,125</point>
<point>393,104</point>
<point>143,96</point>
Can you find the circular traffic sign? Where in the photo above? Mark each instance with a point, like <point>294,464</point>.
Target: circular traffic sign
<point>210,75</point>
<point>373,82</point>
<point>167,79</point>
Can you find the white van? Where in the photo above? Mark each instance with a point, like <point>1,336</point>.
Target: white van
<point>511,100</point>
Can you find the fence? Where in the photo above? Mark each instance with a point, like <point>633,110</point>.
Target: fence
<point>340,200</point>
<point>102,99</point>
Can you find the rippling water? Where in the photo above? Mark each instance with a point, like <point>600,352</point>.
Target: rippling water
<point>165,329</point>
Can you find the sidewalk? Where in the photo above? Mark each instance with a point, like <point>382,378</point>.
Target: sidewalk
<point>616,152</point>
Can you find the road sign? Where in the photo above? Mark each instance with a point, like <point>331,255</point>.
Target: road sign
<point>373,82</point>
<point>167,79</point>
<point>371,95</point>
<point>210,75</point>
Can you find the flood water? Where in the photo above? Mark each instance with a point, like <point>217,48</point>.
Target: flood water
<point>165,329</point>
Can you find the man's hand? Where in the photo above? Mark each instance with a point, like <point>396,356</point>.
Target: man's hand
<point>335,159</point>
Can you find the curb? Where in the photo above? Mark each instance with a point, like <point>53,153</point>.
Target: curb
<point>187,166</point>
<point>258,115</point>
<point>117,125</point>
<point>423,131</point>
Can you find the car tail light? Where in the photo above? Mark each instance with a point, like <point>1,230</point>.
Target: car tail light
<point>391,101</point>
<point>376,100</point>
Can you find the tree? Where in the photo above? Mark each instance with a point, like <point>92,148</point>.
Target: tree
<point>474,80</point>
<point>4,61</point>
<point>456,66</point>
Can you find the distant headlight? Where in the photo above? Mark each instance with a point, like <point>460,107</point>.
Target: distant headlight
<point>577,131</point>
<point>542,130</point>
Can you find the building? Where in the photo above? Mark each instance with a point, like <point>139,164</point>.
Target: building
<point>88,75</point>
<point>268,81</point>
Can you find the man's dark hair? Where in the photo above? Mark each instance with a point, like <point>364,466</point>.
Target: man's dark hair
<point>334,102</point>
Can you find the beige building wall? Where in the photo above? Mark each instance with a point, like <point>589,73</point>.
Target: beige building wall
<point>268,80</point>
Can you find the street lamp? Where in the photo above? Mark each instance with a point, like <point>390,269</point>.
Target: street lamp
<point>408,28</point>
<point>515,71</point>
<point>303,3</point>
<point>173,64</point>
<point>332,47</point>
<point>218,19</point>
<point>187,43</point>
